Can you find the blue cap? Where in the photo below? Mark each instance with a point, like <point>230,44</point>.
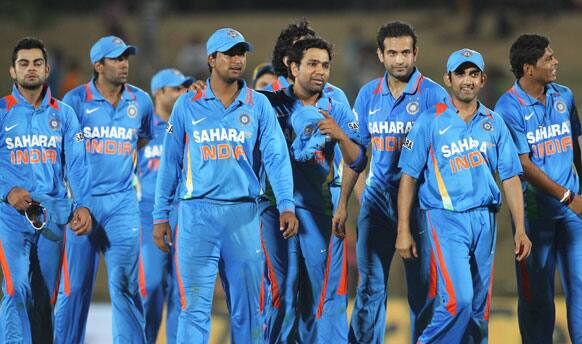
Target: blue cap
<point>110,47</point>
<point>465,55</point>
<point>224,39</point>
<point>169,77</point>
<point>308,139</point>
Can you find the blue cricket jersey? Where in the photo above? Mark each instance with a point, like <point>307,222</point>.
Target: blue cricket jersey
<point>40,148</point>
<point>311,176</point>
<point>330,91</point>
<point>148,160</point>
<point>385,121</point>
<point>111,133</point>
<point>547,133</point>
<point>215,153</point>
<point>455,161</point>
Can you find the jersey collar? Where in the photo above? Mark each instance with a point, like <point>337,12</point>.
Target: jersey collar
<point>244,96</point>
<point>47,99</point>
<point>526,99</point>
<point>482,110</point>
<point>94,94</point>
<point>412,86</point>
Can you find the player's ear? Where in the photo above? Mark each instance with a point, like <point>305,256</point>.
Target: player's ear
<point>380,55</point>
<point>211,60</point>
<point>483,78</point>
<point>12,72</point>
<point>415,53</point>
<point>447,79</point>
<point>294,68</point>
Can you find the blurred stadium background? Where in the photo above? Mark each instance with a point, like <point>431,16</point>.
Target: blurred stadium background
<point>173,34</point>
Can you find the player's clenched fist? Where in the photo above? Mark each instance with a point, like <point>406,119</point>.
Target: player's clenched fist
<point>288,224</point>
<point>81,222</point>
<point>19,198</point>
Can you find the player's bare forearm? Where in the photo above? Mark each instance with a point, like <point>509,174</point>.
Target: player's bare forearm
<point>406,195</point>
<point>350,150</point>
<point>539,179</point>
<point>514,199</point>
<point>349,179</point>
<point>405,244</point>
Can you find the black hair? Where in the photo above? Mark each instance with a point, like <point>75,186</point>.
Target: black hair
<point>527,49</point>
<point>28,43</point>
<point>285,41</point>
<point>214,54</point>
<point>395,29</point>
<point>298,49</point>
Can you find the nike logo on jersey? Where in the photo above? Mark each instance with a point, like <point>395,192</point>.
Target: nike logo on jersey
<point>527,117</point>
<point>10,127</point>
<point>90,111</point>
<point>194,122</point>
<point>373,112</point>
<point>445,130</point>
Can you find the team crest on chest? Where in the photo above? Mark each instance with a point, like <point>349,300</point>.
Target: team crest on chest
<point>412,108</point>
<point>308,131</point>
<point>131,111</point>
<point>244,119</point>
<point>54,124</point>
<point>560,106</point>
<point>487,126</point>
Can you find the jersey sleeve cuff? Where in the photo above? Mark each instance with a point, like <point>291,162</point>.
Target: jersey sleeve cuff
<point>161,216</point>
<point>360,164</point>
<point>286,205</point>
<point>410,172</point>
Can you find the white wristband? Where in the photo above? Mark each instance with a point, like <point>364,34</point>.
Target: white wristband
<point>565,197</point>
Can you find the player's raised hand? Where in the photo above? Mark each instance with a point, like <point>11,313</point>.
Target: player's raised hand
<point>81,223</point>
<point>288,224</point>
<point>19,198</point>
<point>405,244</point>
<point>198,85</point>
<point>162,235</point>
<point>328,126</point>
<point>522,245</point>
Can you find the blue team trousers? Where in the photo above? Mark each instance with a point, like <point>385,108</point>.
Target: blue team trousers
<point>556,235</point>
<point>157,279</point>
<point>305,281</point>
<point>219,238</point>
<point>116,233</point>
<point>464,246</point>
<point>375,249</point>
<point>30,265</point>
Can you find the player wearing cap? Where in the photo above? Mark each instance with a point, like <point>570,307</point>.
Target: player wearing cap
<point>216,142</point>
<point>545,127</point>
<point>454,150</point>
<point>156,275</point>
<point>263,75</point>
<point>310,309</point>
<point>41,143</point>
<point>117,120</point>
<point>387,108</point>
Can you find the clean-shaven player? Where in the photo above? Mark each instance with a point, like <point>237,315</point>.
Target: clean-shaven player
<point>116,118</point>
<point>41,144</point>
<point>453,153</point>
<point>544,123</point>
<point>387,108</point>
<point>156,274</point>
<point>307,275</point>
<point>217,142</point>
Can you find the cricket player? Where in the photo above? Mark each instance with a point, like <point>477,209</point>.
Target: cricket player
<point>280,62</point>
<point>263,76</point>
<point>545,127</point>
<point>41,145</point>
<point>116,118</point>
<point>387,108</point>
<point>217,142</point>
<point>452,153</point>
<point>307,275</point>
<point>156,274</point>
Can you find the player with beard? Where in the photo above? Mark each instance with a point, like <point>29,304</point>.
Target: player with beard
<point>307,274</point>
<point>41,144</point>
<point>117,120</point>
<point>387,108</point>
<point>217,141</point>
